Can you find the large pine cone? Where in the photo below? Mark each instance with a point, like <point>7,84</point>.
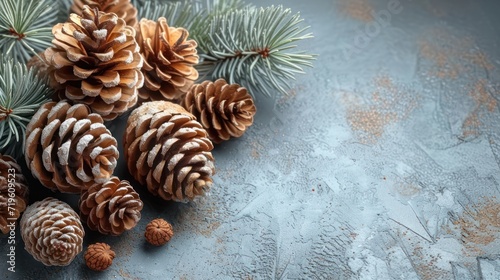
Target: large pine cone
<point>96,61</point>
<point>224,110</point>
<point>111,208</point>
<point>168,150</point>
<point>122,8</point>
<point>52,232</point>
<point>13,192</point>
<point>169,60</point>
<point>68,148</point>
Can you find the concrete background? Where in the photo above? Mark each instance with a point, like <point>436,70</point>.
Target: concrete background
<point>382,162</point>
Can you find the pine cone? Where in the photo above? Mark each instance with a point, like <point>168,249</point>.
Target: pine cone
<point>168,150</point>
<point>68,148</point>
<point>169,60</point>
<point>158,232</point>
<point>111,208</point>
<point>96,61</point>
<point>224,110</point>
<point>122,8</point>
<point>52,232</point>
<point>99,256</point>
<point>13,193</point>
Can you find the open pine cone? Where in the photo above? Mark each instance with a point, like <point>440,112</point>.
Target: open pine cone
<point>11,206</point>
<point>169,60</point>
<point>224,110</point>
<point>168,150</point>
<point>68,148</point>
<point>96,61</point>
<point>122,8</point>
<point>111,208</point>
<point>52,232</point>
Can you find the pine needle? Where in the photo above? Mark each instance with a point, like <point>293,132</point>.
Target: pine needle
<point>25,27</point>
<point>22,92</point>
<point>254,48</point>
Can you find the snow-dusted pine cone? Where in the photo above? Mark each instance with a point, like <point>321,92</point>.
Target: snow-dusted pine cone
<point>96,61</point>
<point>224,110</point>
<point>111,208</point>
<point>68,148</point>
<point>122,8</point>
<point>52,232</point>
<point>169,60</point>
<point>13,192</point>
<point>168,150</point>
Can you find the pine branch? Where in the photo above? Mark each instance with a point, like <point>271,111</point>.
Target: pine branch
<point>191,15</point>
<point>178,14</point>
<point>25,27</point>
<point>254,48</point>
<point>22,92</point>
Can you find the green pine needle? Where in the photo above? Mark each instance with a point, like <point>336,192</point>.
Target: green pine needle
<point>25,27</point>
<point>63,9</point>
<point>178,14</point>
<point>254,48</point>
<point>22,92</point>
<point>190,15</point>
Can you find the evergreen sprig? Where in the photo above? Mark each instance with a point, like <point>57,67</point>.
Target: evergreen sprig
<point>25,27</point>
<point>22,92</point>
<point>189,15</point>
<point>254,48</point>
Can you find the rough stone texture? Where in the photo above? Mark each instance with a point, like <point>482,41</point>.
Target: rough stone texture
<point>372,167</point>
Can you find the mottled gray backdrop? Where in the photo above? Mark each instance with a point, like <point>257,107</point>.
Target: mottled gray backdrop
<point>381,163</point>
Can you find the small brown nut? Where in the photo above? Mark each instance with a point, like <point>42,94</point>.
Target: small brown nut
<point>99,256</point>
<point>158,232</point>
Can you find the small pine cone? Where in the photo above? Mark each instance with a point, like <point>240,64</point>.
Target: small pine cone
<point>168,150</point>
<point>122,8</point>
<point>96,61</point>
<point>158,232</point>
<point>52,232</point>
<point>68,148</point>
<point>169,60</point>
<point>224,110</point>
<point>99,256</point>
<point>111,208</point>
<point>13,192</point>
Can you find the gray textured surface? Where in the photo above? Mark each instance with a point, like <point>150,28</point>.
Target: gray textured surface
<point>382,163</point>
